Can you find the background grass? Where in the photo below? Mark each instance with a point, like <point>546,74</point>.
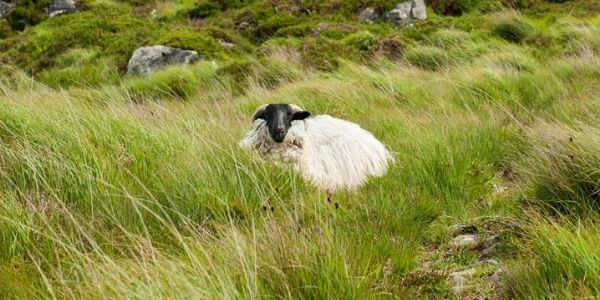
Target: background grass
<point>115,186</point>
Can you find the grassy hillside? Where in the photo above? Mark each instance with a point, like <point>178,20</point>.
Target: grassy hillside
<point>115,186</point>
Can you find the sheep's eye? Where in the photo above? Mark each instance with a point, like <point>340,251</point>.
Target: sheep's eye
<point>289,114</point>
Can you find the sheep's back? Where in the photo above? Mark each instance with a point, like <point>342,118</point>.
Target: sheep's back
<point>339,154</point>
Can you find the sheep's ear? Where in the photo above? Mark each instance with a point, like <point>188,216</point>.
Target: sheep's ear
<point>300,115</point>
<point>259,113</point>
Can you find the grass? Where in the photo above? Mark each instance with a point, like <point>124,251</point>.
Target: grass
<point>114,186</point>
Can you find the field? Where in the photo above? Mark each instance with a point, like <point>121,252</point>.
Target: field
<point>115,186</point>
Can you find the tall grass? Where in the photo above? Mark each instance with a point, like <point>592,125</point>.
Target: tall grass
<point>137,189</point>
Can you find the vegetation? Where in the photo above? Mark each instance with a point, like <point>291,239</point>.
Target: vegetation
<point>117,186</point>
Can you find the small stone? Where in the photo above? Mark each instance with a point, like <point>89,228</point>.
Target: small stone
<point>459,279</point>
<point>59,7</point>
<point>490,251</point>
<point>491,241</point>
<point>5,9</point>
<point>458,229</point>
<point>226,44</point>
<point>488,261</point>
<point>466,241</point>
<point>496,278</point>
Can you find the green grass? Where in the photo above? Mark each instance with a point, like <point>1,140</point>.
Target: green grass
<point>116,186</point>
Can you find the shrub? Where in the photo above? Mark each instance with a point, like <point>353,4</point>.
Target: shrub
<point>426,57</point>
<point>512,28</point>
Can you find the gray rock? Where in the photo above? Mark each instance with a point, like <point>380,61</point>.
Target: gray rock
<point>368,15</point>
<point>491,241</point>
<point>458,280</point>
<point>465,241</point>
<point>405,12</point>
<point>457,229</point>
<point>147,60</point>
<point>496,278</point>
<point>401,15</point>
<point>59,7</point>
<point>488,261</point>
<point>489,251</point>
<point>418,10</point>
<point>5,9</point>
<point>242,25</point>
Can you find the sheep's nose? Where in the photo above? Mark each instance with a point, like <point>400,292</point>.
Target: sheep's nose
<point>279,130</point>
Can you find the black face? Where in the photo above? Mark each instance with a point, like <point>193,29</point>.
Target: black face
<point>279,118</point>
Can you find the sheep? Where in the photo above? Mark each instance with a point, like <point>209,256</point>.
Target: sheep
<point>328,152</point>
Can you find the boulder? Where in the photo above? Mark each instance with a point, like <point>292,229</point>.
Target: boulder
<point>146,60</point>
<point>405,12</point>
<point>5,9</point>
<point>419,11</point>
<point>369,15</point>
<point>59,7</point>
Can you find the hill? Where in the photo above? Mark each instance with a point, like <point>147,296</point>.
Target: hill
<point>121,186</point>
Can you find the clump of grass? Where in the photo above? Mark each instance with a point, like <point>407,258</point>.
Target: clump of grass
<point>174,82</point>
<point>362,40</point>
<point>566,262</point>
<point>560,167</point>
<point>427,57</point>
<point>512,27</point>
<point>446,38</point>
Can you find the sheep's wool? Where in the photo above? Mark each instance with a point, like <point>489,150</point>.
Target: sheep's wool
<point>330,153</point>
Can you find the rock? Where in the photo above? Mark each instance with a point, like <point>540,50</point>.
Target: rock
<point>405,12</point>
<point>242,25</point>
<point>146,60</point>
<point>491,241</point>
<point>59,7</point>
<point>226,44</point>
<point>5,9</point>
<point>489,251</point>
<point>488,261</point>
<point>459,279</point>
<point>419,11</point>
<point>458,229</point>
<point>498,189</point>
<point>496,278</point>
<point>368,15</point>
<point>401,15</point>
<point>465,241</point>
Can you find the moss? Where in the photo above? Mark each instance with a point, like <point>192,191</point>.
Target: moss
<point>512,28</point>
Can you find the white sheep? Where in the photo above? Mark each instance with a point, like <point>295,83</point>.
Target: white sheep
<point>330,153</point>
